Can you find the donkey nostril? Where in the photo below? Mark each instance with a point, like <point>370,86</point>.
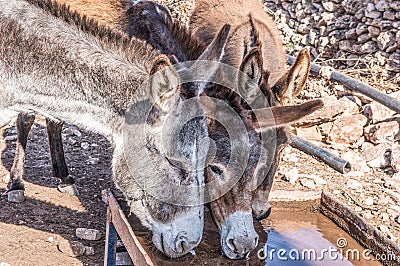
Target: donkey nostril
<point>181,243</point>
<point>231,244</point>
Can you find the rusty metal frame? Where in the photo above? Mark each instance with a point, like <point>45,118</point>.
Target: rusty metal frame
<point>118,225</point>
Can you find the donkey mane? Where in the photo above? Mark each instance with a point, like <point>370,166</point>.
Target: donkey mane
<point>169,36</point>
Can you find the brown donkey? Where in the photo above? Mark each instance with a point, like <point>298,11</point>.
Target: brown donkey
<point>253,32</point>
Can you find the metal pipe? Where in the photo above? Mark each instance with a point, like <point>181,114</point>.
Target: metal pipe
<point>333,161</point>
<point>356,85</point>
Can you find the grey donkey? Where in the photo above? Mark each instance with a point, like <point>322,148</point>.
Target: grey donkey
<point>63,72</point>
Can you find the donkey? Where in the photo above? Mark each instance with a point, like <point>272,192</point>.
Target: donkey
<point>254,35</point>
<point>231,211</point>
<point>152,22</point>
<point>52,68</point>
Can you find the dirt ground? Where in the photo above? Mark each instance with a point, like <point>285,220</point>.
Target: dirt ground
<point>30,231</point>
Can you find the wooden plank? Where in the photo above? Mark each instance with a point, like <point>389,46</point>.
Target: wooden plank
<point>137,253</point>
<point>364,233</point>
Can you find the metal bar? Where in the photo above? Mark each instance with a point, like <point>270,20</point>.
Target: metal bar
<point>333,161</point>
<point>111,242</point>
<point>357,85</point>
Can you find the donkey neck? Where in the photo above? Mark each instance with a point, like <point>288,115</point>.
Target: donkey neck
<point>55,69</point>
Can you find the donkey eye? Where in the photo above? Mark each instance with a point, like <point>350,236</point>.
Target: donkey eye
<point>216,169</point>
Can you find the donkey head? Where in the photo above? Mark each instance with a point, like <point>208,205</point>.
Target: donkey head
<point>165,146</point>
<point>281,93</point>
<point>266,133</point>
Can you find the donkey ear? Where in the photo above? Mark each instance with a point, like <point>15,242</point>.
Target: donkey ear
<point>291,83</point>
<point>252,67</point>
<point>164,84</point>
<point>284,115</point>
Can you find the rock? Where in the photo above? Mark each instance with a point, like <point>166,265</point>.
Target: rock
<point>384,216</point>
<point>373,31</point>
<point>105,195</point>
<point>332,109</point>
<point>309,183</point>
<point>372,14</point>
<point>93,161</point>
<point>382,5</point>
<point>88,234</point>
<point>50,239</point>
<point>383,228</point>
<point>353,184</point>
<point>329,6</point>
<point>377,112</point>
<point>71,248</point>
<point>384,39</point>
<point>361,28</point>
<point>123,258</point>
<point>345,45</point>
<point>356,161</point>
<point>309,133</point>
<point>89,251</point>
<point>369,201</point>
<point>77,133</point>
<point>363,38</point>
<point>317,180</point>
<point>351,34</point>
<point>85,145</point>
<point>395,158</point>
<point>372,152</point>
<point>347,129</point>
<point>354,99</point>
<point>16,196</point>
<point>368,47</point>
<point>11,138</point>
<point>292,175</point>
<point>390,15</point>
<point>325,128</point>
<point>392,184</point>
<point>381,132</point>
<point>395,5</point>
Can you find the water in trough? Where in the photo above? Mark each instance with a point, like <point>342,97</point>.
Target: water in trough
<point>294,234</point>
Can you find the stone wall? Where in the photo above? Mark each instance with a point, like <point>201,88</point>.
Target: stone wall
<point>347,30</point>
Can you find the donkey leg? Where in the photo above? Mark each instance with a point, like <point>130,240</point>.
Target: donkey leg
<point>60,169</point>
<point>16,187</point>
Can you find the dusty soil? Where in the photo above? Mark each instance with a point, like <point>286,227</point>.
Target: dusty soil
<point>31,231</point>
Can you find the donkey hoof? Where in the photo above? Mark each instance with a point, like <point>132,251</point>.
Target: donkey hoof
<point>16,196</point>
<point>68,189</point>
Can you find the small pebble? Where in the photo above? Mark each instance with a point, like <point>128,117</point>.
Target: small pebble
<point>307,183</point>
<point>383,228</point>
<point>16,196</point>
<point>89,251</point>
<point>369,201</point>
<point>71,248</point>
<point>88,234</point>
